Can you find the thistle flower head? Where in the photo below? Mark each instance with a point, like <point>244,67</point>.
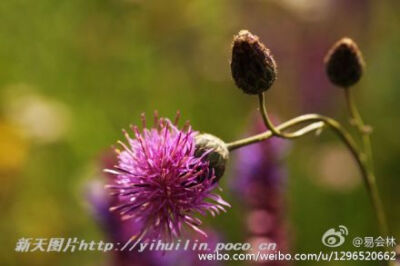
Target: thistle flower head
<point>253,67</point>
<point>344,63</point>
<point>161,183</point>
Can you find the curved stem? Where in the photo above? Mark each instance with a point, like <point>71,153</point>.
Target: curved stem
<point>365,162</point>
<point>267,121</point>
<point>344,136</point>
<point>267,134</point>
<point>263,111</point>
<point>301,132</point>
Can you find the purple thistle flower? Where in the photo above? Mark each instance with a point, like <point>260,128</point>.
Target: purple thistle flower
<point>160,183</point>
<point>118,231</point>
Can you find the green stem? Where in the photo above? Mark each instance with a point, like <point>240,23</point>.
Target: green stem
<point>267,134</point>
<point>267,121</point>
<point>357,121</point>
<point>343,135</point>
<point>317,119</point>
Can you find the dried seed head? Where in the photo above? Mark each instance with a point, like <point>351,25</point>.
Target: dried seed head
<point>217,155</point>
<point>344,63</point>
<point>253,67</point>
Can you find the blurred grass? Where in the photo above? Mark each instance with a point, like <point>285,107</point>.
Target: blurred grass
<point>107,61</point>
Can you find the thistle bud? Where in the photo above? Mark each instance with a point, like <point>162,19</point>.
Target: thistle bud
<point>218,153</point>
<point>344,63</point>
<point>253,67</point>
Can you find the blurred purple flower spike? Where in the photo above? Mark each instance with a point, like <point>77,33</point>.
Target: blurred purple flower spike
<point>260,164</point>
<point>260,184</point>
<point>116,231</point>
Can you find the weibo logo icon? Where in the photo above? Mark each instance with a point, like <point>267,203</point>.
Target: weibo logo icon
<point>335,237</point>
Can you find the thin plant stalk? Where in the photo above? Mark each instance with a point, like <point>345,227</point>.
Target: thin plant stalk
<point>318,122</point>
<point>364,132</point>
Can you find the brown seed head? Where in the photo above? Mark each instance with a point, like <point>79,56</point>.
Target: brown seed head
<point>253,67</point>
<point>344,63</point>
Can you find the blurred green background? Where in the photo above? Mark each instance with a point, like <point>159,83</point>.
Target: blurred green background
<point>73,73</point>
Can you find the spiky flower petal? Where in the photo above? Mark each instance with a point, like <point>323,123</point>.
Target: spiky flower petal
<point>160,182</point>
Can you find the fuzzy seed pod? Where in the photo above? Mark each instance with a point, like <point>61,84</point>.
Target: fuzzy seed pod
<point>344,63</point>
<point>218,153</point>
<point>253,67</point>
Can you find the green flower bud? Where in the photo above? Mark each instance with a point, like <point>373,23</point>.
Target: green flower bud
<point>218,153</point>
